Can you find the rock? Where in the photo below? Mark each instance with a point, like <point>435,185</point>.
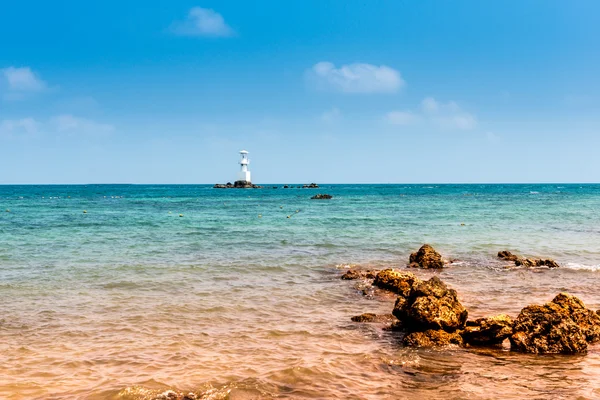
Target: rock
<point>285,186</point>
<point>432,338</point>
<point>395,326</point>
<point>396,281</point>
<point>311,186</point>
<point>426,257</point>
<point>488,331</point>
<point>242,184</point>
<point>507,255</point>
<point>353,274</point>
<point>369,317</point>
<point>527,262</point>
<point>588,320</point>
<point>219,186</point>
<point>560,326</point>
<point>431,305</point>
<point>321,197</point>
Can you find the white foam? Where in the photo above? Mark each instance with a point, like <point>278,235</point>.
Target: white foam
<point>583,267</point>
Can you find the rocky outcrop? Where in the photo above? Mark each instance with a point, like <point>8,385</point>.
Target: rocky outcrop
<point>563,325</point>
<point>488,331</point>
<point>432,338</point>
<point>396,281</point>
<point>353,274</point>
<point>426,257</point>
<point>431,305</point>
<point>527,262</point>
<point>311,186</point>
<point>322,197</point>
<point>375,318</point>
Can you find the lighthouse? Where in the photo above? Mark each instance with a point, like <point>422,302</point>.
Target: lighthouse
<point>244,175</point>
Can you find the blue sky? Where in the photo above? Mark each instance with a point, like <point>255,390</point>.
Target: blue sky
<point>317,91</point>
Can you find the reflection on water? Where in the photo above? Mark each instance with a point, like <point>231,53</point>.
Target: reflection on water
<point>128,301</point>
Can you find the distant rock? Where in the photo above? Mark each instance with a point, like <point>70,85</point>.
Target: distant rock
<point>369,317</point>
<point>322,197</point>
<point>396,281</point>
<point>431,305</point>
<point>488,331</point>
<point>311,186</point>
<point>432,338</point>
<point>527,262</point>
<point>426,257</point>
<point>219,186</point>
<point>285,186</point>
<point>563,325</point>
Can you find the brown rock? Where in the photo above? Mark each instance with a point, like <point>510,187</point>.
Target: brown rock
<point>395,281</point>
<point>431,305</point>
<point>369,317</point>
<point>321,196</point>
<point>426,257</point>
<point>488,331</point>
<point>352,274</point>
<point>588,320</point>
<point>507,255</point>
<point>395,326</point>
<point>527,262</point>
<point>549,329</point>
<point>431,338</point>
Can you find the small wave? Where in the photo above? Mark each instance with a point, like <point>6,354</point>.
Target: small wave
<point>583,267</point>
<point>534,192</point>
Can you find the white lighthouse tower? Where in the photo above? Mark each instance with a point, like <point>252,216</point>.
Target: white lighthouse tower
<point>244,174</point>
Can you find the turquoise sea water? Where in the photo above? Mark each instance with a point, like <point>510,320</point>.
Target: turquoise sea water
<point>130,296</point>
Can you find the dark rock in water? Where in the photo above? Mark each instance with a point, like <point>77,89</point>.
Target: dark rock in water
<point>285,186</point>
<point>527,262</point>
<point>219,186</point>
<point>311,186</point>
<point>242,184</point>
<point>395,326</point>
<point>369,317</point>
<point>431,305</point>
<point>396,281</point>
<point>507,255</point>
<point>322,197</point>
<point>488,331</point>
<point>426,257</point>
<point>550,328</point>
<point>352,274</point>
<point>432,338</point>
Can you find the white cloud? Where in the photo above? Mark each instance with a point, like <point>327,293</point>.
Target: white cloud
<point>22,80</point>
<point>331,116</point>
<point>447,115</point>
<point>203,22</point>
<point>401,117</point>
<point>18,127</point>
<point>74,125</point>
<point>356,78</point>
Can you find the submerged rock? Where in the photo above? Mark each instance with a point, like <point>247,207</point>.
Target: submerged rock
<point>431,338</point>
<point>488,331</point>
<point>507,255</point>
<point>396,281</point>
<point>369,317</point>
<point>426,257</point>
<point>353,274</point>
<point>322,197</point>
<point>431,305</point>
<point>563,325</point>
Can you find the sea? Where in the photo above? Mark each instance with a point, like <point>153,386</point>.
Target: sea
<point>129,291</point>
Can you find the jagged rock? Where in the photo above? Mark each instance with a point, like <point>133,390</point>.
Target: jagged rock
<point>507,255</point>
<point>353,274</point>
<point>527,262</point>
<point>426,257</point>
<point>431,305</point>
<point>311,186</point>
<point>550,328</point>
<point>431,338</point>
<point>321,197</point>
<point>369,317</point>
<point>396,281</point>
<point>588,320</point>
<point>488,331</point>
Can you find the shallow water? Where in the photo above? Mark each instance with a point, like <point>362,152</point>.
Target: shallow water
<point>129,299</point>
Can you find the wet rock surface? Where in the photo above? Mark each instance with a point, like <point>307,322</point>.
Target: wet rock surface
<point>375,318</point>
<point>432,338</point>
<point>353,274</point>
<point>426,257</point>
<point>431,305</point>
<point>396,281</point>
<point>527,262</point>
<point>488,331</point>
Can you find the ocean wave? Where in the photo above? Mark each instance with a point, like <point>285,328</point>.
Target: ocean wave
<point>583,267</point>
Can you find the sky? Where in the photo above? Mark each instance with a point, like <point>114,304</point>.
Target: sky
<point>325,91</point>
